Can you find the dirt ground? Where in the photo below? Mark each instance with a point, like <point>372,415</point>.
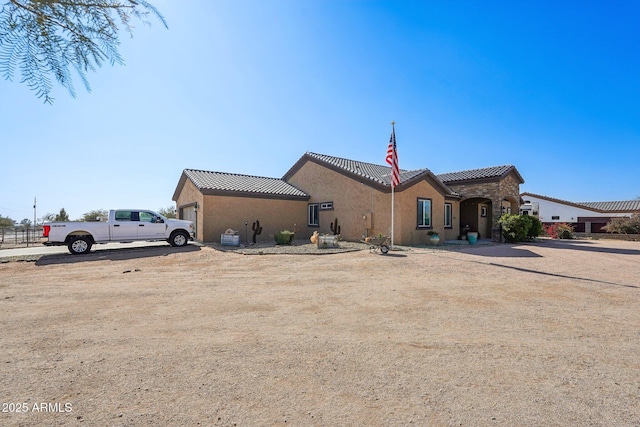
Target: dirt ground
<point>513,335</point>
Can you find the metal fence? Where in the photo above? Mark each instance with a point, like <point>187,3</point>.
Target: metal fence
<point>19,237</point>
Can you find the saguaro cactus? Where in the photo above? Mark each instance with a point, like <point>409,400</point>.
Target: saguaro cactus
<point>257,230</point>
<point>335,228</point>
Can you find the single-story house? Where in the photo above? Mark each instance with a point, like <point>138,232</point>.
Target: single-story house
<point>585,217</point>
<point>335,195</point>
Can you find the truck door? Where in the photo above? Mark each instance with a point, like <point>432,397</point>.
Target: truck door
<point>125,226</point>
<point>151,226</point>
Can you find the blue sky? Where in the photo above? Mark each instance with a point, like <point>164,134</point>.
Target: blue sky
<point>552,87</point>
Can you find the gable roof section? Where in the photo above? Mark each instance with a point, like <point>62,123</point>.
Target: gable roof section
<point>483,174</point>
<point>622,206</point>
<point>377,175</point>
<point>231,184</point>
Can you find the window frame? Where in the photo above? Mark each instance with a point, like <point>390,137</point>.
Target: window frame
<point>313,213</point>
<point>421,201</point>
<point>449,207</point>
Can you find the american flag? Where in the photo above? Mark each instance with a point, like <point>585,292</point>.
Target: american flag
<point>392,159</point>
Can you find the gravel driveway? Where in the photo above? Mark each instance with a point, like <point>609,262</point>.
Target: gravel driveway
<point>496,335</point>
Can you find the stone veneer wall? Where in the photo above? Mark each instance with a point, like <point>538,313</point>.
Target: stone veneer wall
<point>497,191</point>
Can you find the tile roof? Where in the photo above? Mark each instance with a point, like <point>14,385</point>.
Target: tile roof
<point>231,182</point>
<point>378,173</point>
<point>473,174</point>
<point>617,206</point>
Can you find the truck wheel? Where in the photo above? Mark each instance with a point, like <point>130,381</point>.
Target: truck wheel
<point>178,238</point>
<point>79,245</point>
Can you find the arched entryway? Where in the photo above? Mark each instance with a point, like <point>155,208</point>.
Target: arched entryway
<point>476,214</point>
<point>510,204</point>
<point>481,214</point>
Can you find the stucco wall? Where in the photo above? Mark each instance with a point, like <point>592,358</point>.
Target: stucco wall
<point>406,215</point>
<point>365,210</point>
<point>351,200</point>
<point>188,196</point>
<point>223,212</point>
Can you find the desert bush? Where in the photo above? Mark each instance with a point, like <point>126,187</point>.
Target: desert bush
<point>520,228</point>
<point>514,227</point>
<point>535,227</point>
<point>284,237</point>
<point>565,231</point>
<point>624,225</point>
<point>560,230</point>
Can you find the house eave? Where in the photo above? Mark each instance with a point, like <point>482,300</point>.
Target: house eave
<point>181,182</point>
<point>249,194</point>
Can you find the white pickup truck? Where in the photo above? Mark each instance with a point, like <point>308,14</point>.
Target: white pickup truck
<point>123,225</point>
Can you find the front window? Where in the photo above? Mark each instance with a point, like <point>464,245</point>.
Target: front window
<point>149,217</point>
<point>447,215</point>
<point>424,213</point>
<point>312,215</point>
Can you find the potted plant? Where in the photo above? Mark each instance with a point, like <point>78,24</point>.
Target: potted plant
<point>434,237</point>
<point>284,237</point>
<point>472,236</point>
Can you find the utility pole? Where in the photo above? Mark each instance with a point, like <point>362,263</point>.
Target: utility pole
<point>34,222</point>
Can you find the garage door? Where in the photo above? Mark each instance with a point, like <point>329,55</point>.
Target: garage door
<point>189,213</point>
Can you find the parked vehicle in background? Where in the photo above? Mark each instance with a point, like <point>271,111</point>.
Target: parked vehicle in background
<point>122,225</point>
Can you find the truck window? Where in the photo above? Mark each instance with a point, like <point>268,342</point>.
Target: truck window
<point>123,215</point>
<point>147,217</point>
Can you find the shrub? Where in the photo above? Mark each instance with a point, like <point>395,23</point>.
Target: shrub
<point>514,227</point>
<point>560,230</point>
<point>564,231</point>
<point>624,225</point>
<point>284,237</point>
<point>536,229</point>
<point>549,231</point>
<point>519,228</point>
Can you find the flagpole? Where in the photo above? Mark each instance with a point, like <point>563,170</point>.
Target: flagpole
<point>393,130</point>
<point>392,222</point>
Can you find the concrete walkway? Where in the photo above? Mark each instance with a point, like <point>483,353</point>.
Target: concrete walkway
<point>466,242</point>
